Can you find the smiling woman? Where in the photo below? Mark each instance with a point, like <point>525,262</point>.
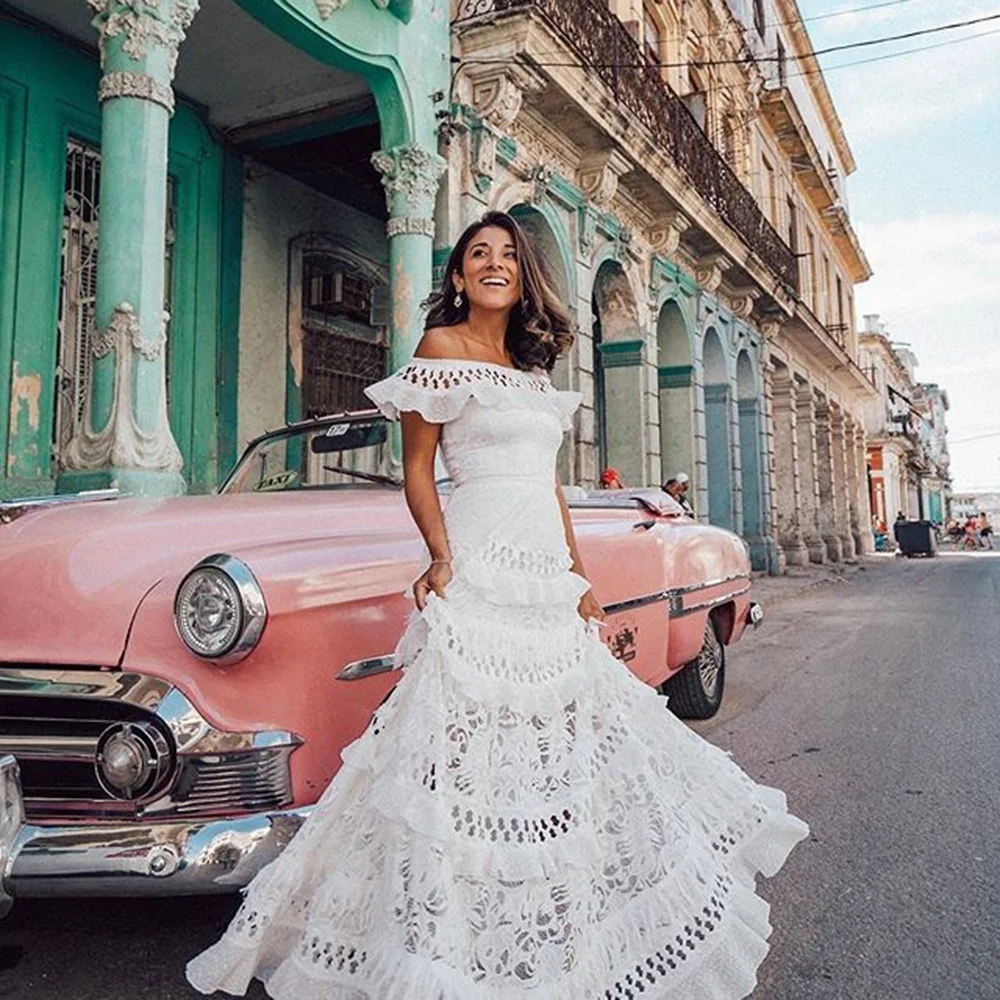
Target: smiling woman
<point>494,265</point>
<point>522,817</point>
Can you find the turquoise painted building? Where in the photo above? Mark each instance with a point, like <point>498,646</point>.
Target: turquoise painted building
<point>214,217</point>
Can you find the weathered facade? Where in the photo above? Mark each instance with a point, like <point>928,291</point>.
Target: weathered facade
<point>682,167</point>
<point>216,217</point>
<point>265,179</point>
<point>908,459</point>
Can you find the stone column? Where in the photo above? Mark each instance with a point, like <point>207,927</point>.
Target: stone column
<point>719,447</point>
<point>778,562</point>
<point>841,486</point>
<point>828,510</point>
<point>805,433</point>
<point>787,486</point>
<point>126,439</point>
<point>755,526</point>
<point>410,176</point>
<point>853,485</point>
<point>867,539</point>
<point>623,363</point>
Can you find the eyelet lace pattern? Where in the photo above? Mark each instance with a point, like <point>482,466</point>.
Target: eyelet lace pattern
<point>439,390</point>
<point>522,820</point>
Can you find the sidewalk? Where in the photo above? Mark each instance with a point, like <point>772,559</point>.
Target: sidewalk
<point>771,590</point>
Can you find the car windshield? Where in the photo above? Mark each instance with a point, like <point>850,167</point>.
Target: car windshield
<point>330,454</point>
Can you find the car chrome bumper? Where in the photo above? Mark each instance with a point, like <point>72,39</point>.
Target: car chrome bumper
<point>143,859</point>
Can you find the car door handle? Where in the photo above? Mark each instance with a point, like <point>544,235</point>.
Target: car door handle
<point>645,525</point>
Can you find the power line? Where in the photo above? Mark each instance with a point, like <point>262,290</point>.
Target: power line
<point>822,71</point>
<point>746,60</point>
<point>769,24</point>
<point>807,20</point>
<point>975,437</point>
<point>893,55</point>
<point>841,13</point>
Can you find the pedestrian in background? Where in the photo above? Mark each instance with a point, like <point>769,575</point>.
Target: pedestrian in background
<point>677,487</point>
<point>611,480</point>
<point>985,530</point>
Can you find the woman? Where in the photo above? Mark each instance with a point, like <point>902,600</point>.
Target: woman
<point>523,818</point>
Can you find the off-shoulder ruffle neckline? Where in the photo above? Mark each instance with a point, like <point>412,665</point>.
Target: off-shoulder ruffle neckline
<point>472,362</point>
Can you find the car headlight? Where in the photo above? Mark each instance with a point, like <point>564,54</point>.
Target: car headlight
<point>219,609</point>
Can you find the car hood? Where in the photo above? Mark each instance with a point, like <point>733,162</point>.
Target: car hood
<point>73,575</point>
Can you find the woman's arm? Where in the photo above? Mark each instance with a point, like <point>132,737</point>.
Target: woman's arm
<point>588,607</point>
<point>420,442</point>
<point>567,521</point>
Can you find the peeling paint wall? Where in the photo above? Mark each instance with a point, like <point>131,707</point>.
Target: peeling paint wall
<point>25,415</point>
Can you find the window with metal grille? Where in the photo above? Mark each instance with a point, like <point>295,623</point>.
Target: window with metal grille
<point>78,286</point>
<point>343,333</point>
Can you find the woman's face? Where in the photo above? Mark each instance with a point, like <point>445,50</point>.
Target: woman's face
<point>491,275</point>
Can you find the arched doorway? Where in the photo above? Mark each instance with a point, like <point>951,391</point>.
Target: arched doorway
<point>555,261</point>
<point>751,465</point>
<point>718,441</point>
<point>617,373</point>
<point>676,386</point>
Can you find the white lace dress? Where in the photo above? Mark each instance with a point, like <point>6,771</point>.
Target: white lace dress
<point>523,818</point>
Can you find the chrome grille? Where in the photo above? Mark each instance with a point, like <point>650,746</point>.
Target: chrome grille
<point>55,741</point>
<point>51,720</point>
<point>234,782</point>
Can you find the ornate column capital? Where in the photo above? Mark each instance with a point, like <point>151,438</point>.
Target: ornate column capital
<point>143,25</point>
<point>135,35</point>
<point>410,176</point>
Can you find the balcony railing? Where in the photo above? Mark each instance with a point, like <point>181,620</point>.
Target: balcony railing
<point>607,49</point>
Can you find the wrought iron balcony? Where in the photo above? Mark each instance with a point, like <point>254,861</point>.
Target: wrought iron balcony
<point>606,48</point>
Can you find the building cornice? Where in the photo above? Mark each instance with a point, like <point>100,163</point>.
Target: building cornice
<point>789,14</point>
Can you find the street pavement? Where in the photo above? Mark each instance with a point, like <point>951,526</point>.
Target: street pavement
<point>869,696</point>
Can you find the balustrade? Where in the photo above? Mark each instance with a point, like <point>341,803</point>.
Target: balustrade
<point>606,48</point>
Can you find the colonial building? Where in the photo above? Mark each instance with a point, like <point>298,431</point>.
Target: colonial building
<point>683,168</point>
<point>932,403</point>
<point>214,217</point>
<point>908,460</point>
<point>220,216</point>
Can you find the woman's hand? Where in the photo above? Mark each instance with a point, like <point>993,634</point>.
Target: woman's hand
<point>588,608</point>
<point>433,580</point>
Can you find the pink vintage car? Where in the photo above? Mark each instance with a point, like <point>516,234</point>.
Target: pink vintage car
<point>178,676</point>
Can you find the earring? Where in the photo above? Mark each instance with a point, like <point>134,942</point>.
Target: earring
<point>458,300</point>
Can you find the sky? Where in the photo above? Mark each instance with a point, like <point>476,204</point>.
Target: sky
<point>925,199</point>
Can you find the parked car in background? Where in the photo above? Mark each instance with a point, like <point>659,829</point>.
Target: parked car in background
<point>178,676</point>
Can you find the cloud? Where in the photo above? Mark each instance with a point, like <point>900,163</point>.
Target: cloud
<point>935,284</point>
<point>933,261</point>
<point>887,99</point>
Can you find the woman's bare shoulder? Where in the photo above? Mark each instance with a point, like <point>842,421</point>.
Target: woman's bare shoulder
<point>441,342</point>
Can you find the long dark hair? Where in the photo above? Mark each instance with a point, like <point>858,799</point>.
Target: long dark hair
<point>539,328</point>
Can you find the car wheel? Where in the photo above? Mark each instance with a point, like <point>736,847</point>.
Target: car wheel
<point>695,691</point>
